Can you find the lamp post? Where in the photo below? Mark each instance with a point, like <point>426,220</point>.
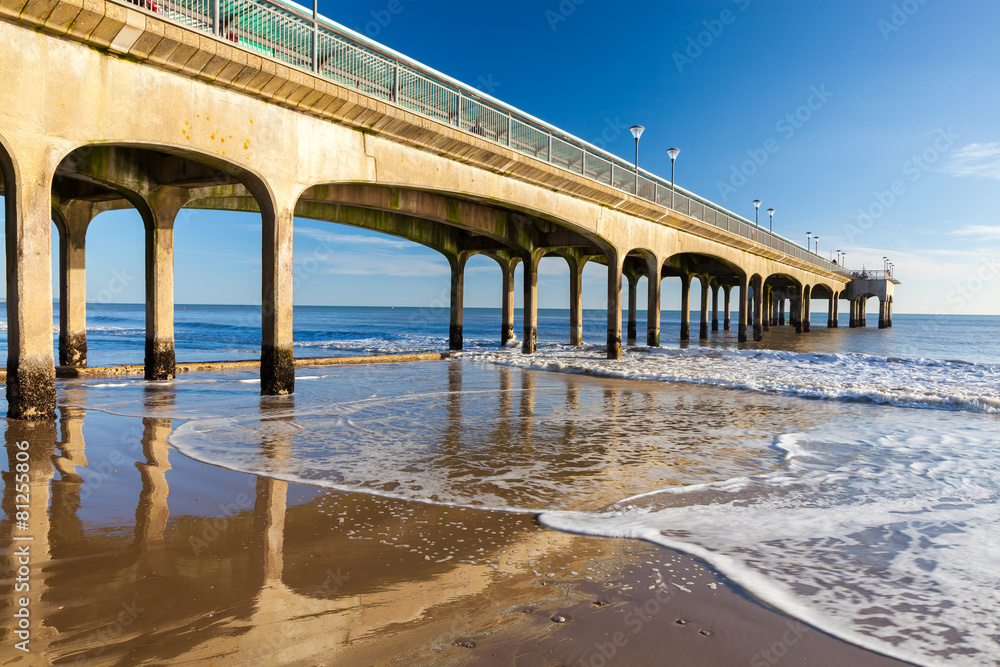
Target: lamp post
<point>808,240</point>
<point>838,258</point>
<point>816,239</point>
<point>673,153</point>
<point>770,224</point>
<point>636,131</point>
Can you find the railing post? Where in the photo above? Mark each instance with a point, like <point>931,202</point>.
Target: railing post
<point>458,109</point>
<point>315,38</point>
<point>548,157</point>
<point>510,129</point>
<point>216,18</point>
<point>395,82</point>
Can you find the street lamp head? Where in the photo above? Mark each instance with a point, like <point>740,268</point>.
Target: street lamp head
<point>673,153</point>
<point>756,203</point>
<point>770,212</point>
<point>636,131</point>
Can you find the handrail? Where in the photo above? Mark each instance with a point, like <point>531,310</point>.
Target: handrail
<point>291,34</point>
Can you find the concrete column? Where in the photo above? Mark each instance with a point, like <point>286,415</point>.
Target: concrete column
<point>575,300</point>
<point>781,312</point>
<point>277,370</point>
<point>72,221</point>
<point>685,307</point>
<point>653,304</point>
<point>830,323</point>
<point>806,306</point>
<point>750,318</point>
<point>614,306</point>
<point>530,343</point>
<point>742,320</point>
<point>891,306</point>
<point>883,318</point>
<point>457,299</point>
<point>715,307</point>
<point>726,293</point>
<point>703,312</point>
<point>507,299</point>
<point>633,281</point>
<point>31,388</point>
<point>159,222</point>
<point>765,310</point>
<point>836,310</point>
<point>798,303</point>
<point>758,307</point>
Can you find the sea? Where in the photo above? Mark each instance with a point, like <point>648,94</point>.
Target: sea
<point>847,477</point>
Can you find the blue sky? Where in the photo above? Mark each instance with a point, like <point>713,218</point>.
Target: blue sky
<point>872,124</point>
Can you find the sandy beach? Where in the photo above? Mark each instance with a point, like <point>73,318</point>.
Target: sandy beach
<point>140,555</point>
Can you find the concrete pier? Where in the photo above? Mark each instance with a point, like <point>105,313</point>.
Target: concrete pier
<point>715,307</point>
<point>685,307</point>
<point>614,307</point>
<point>633,281</point>
<point>457,263</point>
<point>758,306</point>
<point>653,304</point>
<point>703,309</point>
<point>575,300</point>
<point>530,263</point>
<point>72,221</point>
<point>158,218</point>
<point>169,119</point>
<point>726,293</point>
<point>742,318</point>
<point>31,389</point>
<point>277,370</point>
<point>806,305</point>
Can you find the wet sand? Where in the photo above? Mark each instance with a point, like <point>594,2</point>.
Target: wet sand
<point>140,555</point>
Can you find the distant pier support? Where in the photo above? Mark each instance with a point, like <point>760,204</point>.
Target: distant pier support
<point>633,282</point>
<point>653,304</point>
<point>507,266</point>
<point>457,263</point>
<point>758,307</point>
<point>726,318</point>
<point>72,221</point>
<point>614,306</point>
<point>806,307</point>
<point>685,307</point>
<point>576,299</point>
<point>715,307</point>
<point>741,334</point>
<point>703,310</point>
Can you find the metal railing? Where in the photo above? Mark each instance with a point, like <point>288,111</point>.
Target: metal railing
<point>868,274</point>
<point>298,37</point>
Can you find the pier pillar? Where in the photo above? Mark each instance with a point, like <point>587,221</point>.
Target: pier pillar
<point>703,310</point>
<point>31,388</point>
<point>758,305</point>
<point>715,307</point>
<point>830,324</point>
<point>576,300</point>
<point>457,299</point>
<point>765,310</point>
<point>806,305</point>
<point>530,343</point>
<point>614,306</point>
<point>742,318</point>
<point>890,307</point>
<point>277,370</point>
<point>685,307</point>
<point>749,300</point>
<point>633,281</point>
<point>163,206</point>
<point>726,292</point>
<point>781,312</point>
<point>653,303</point>
<point>797,305</point>
<point>836,310</point>
<point>883,317</point>
<point>72,220</point>
<point>507,267</point>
